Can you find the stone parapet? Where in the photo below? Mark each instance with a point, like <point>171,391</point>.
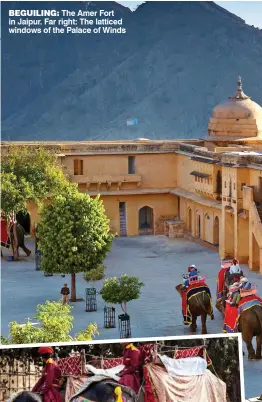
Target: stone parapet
<point>174,228</point>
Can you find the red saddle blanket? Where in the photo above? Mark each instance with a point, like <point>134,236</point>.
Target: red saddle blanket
<point>221,282</point>
<point>5,241</point>
<point>232,313</point>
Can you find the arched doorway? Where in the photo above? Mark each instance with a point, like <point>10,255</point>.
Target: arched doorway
<point>189,220</point>
<point>198,225</point>
<point>229,232</point>
<point>208,230</point>
<point>216,231</point>
<point>24,220</point>
<point>146,220</point>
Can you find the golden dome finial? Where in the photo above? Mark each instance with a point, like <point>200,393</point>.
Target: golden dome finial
<point>239,95</point>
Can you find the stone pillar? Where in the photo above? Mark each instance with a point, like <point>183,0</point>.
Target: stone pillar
<point>193,221</point>
<point>222,235</point>
<point>255,255</point>
<point>242,240</point>
<point>228,237</point>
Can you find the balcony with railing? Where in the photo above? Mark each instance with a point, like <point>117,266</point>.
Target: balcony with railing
<point>107,180</point>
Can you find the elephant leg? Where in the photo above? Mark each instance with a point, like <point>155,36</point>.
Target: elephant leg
<point>259,346</point>
<point>26,250</point>
<point>204,320</point>
<point>250,349</point>
<point>193,326</point>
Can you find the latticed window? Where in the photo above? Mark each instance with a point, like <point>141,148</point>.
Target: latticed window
<point>78,167</point>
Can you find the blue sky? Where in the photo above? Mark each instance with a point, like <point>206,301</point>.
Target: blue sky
<point>250,11</point>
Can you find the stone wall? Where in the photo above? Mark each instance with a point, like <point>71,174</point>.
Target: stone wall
<point>174,229</point>
<point>160,223</point>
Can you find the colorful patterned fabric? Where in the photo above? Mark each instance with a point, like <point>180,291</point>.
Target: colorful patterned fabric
<point>110,363</point>
<point>147,352</point>
<point>71,366</point>
<point>198,351</point>
<point>232,313</point>
<point>150,392</point>
<point>221,283</point>
<point>73,384</point>
<point>162,387</point>
<point>191,291</point>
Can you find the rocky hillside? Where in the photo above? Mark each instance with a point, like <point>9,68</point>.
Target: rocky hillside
<point>177,60</point>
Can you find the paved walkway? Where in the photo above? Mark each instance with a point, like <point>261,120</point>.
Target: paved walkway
<point>157,260</point>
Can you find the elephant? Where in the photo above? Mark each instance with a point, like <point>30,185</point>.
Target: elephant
<point>250,324</point>
<point>102,391</point>
<point>18,239</point>
<point>199,305</point>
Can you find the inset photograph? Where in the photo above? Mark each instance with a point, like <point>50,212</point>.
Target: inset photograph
<point>169,370</point>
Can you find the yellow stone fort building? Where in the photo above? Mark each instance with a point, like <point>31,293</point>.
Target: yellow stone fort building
<point>208,190</point>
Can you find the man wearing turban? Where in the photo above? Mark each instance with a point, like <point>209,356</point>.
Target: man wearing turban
<point>49,384</point>
<point>131,374</point>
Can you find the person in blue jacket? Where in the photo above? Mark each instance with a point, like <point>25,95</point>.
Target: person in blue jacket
<point>192,273</point>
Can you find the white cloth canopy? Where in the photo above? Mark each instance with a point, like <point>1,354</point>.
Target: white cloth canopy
<point>191,366</point>
<point>112,372</point>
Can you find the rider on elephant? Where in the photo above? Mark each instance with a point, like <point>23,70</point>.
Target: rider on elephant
<point>50,382</point>
<point>192,272</point>
<point>235,268</point>
<point>243,284</point>
<point>132,373</point>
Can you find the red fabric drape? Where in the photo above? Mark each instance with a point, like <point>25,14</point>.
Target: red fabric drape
<point>149,388</point>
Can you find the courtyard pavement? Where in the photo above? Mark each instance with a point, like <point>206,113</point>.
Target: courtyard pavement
<point>158,261</point>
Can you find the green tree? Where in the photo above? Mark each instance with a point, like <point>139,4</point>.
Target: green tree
<point>121,290</point>
<point>95,274</point>
<point>74,235</point>
<point>13,194</point>
<point>36,167</point>
<point>29,174</point>
<point>55,323</point>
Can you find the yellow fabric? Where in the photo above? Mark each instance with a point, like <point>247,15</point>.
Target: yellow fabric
<point>118,392</point>
<point>49,360</point>
<point>131,346</point>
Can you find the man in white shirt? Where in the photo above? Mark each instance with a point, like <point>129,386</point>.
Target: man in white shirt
<point>235,268</point>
